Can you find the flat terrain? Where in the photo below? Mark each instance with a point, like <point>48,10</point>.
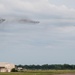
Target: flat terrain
<point>66,74</point>
<point>42,72</point>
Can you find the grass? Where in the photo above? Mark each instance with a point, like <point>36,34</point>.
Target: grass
<point>40,72</point>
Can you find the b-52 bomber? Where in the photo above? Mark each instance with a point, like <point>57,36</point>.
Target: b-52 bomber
<point>20,20</point>
<point>2,20</point>
<point>27,21</point>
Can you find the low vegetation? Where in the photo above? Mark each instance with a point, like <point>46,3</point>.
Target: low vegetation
<point>40,72</point>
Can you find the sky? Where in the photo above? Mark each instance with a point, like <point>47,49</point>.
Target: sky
<point>52,41</point>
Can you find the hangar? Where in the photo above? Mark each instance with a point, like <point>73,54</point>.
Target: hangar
<point>6,67</point>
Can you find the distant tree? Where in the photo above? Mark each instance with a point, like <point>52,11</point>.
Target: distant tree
<point>47,67</point>
<point>14,70</point>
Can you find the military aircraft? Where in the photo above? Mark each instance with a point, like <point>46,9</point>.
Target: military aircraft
<point>2,20</point>
<point>28,20</point>
<point>20,20</point>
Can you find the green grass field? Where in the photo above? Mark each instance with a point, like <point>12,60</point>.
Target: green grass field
<point>40,72</point>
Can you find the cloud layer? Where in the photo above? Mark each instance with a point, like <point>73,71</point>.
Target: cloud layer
<point>32,7</point>
<point>50,41</point>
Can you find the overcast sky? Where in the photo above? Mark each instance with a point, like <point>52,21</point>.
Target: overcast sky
<point>52,41</point>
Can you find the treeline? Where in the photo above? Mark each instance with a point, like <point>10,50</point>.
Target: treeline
<point>48,67</point>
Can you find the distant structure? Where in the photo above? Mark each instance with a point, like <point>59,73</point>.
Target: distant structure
<point>19,68</point>
<point>6,67</point>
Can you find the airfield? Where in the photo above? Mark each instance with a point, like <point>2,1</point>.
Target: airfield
<point>42,72</point>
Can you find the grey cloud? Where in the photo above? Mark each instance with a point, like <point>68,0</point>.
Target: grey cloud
<point>40,8</point>
<point>36,43</point>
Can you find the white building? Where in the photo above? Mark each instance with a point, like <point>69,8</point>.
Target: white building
<point>6,67</point>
